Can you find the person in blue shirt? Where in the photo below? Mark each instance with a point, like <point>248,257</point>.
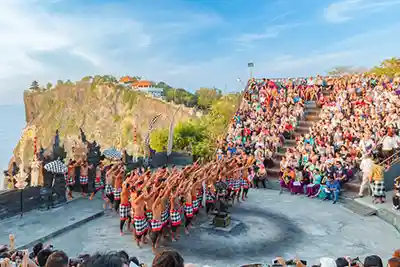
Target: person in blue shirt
<point>333,189</point>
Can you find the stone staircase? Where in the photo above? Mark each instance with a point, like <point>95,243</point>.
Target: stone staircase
<point>311,116</point>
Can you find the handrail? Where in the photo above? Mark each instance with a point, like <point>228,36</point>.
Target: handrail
<point>397,154</point>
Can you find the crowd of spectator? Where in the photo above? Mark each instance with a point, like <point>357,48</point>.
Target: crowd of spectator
<point>359,119</point>
<point>47,256</point>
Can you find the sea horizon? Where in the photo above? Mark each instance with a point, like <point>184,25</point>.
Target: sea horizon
<point>12,117</point>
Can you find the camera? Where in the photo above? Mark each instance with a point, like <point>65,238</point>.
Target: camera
<point>75,262</point>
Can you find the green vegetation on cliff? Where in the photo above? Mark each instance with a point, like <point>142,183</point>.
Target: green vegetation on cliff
<point>200,135</point>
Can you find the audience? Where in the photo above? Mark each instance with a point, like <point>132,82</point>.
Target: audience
<point>359,116</point>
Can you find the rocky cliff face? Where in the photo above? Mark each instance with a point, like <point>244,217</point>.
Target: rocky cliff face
<point>107,113</point>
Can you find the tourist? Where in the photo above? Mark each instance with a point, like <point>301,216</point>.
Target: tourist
<point>168,258</point>
<point>57,259</point>
<point>332,189</point>
<point>366,168</point>
<point>378,184</point>
<point>396,194</point>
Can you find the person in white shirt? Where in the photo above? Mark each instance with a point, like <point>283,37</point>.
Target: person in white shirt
<point>366,168</point>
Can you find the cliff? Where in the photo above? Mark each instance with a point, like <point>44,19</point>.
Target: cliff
<point>106,113</point>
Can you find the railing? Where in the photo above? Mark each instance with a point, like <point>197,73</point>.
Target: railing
<point>393,159</point>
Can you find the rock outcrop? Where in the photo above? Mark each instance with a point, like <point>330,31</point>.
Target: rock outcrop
<point>107,113</point>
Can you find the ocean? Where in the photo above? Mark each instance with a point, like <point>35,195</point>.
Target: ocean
<point>12,118</point>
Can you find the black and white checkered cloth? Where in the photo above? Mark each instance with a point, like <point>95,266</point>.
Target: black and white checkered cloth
<point>175,218</point>
<point>57,167</point>
<point>112,153</point>
<point>141,225</point>
<point>378,189</point>
<point>124,211</point>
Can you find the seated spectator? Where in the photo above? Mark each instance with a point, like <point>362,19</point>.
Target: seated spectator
<point>332,189</point>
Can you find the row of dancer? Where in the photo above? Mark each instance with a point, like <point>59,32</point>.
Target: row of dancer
<point>158,203</point>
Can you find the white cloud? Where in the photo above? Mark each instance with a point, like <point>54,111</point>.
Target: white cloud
<point>344,10</point>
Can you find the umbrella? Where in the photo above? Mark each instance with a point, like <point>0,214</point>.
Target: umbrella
<point>57,167</point>
<point>112,153</point>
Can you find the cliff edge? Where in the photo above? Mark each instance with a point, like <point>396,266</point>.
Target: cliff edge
<point>107,114</point>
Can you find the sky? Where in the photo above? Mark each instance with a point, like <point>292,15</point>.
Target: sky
<point>189,43</point>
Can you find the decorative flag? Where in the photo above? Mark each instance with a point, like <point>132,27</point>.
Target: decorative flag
<point>35,147</point>
<point>151,124</point>
<point>171,133</point>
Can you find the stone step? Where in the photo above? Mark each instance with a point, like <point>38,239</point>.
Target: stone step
<point>310,104</point>
<point>352,186</point>
<point>311,118</point>
<point>302,129</point>
<point>305,123</point>
<point>359,209</point>
<point>309,112</point>
<point>290,142</point>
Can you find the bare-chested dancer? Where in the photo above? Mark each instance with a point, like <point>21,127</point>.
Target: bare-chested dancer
<point>83,179</point>
<point>70,179</point>
<point>109,188</point>
<point>175,212</point>
<point>156,222</point>
<point>119,176</point>
<point>98,182</point>
<point>124,208</point>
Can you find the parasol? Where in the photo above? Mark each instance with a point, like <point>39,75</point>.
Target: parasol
<point>56,167</point>
<point>112,153</point>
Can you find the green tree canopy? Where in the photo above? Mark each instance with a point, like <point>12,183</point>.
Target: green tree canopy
<point>389,67</point>
<point>206,96</point>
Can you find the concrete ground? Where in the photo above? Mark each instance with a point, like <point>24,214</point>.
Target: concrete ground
<point>271,225</point>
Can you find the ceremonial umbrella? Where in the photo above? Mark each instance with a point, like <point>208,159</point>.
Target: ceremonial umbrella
<point>56,167</point>
<point>112,153</point>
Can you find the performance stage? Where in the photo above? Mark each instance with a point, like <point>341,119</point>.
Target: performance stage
<point>32,197</point>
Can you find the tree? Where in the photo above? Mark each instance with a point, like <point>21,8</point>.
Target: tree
<point>343,70</point>
<point>34,86</point>
<point>68,82</point>
<point>206,96</point>
<point>60,82</point>
<point>389,67</point>
<point>49,86</point>
<point>87,79</point>
<point>159,139</point>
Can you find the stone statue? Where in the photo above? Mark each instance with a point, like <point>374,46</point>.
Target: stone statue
<point>35,171</point>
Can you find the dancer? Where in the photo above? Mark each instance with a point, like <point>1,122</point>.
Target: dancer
<point>124,208</point>
<point>245,183</point>
<point>156,222</point>
<point>83,179</point>
<point>98,182</point>
<point>118,187</point>
<point>175,213</point>
<point>108,188</point>
<point>210,199</point>
<point>70,179</point>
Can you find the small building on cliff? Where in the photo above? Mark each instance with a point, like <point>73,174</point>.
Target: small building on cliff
<point>148,87</point>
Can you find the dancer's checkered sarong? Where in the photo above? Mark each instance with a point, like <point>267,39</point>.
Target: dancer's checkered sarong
<point>124,211</point>
<point>141,225</point>
<point>195,205</point>
<point>69,180</point>
<point>165,217</point>
<point>156,225</point>
<point>108,189</point>
<point>117,193</point>
<point>83,179</point>
<point>175,217</point>
<point>149,215</point>
<point>189,210</point>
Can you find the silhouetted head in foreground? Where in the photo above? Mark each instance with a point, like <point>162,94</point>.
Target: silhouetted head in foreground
<point>168,258</point>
